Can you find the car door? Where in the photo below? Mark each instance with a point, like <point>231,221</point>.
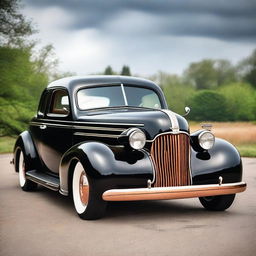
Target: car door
<point>35,127</point>
<point>56,129</point>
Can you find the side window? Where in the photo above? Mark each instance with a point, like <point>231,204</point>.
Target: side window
<point>59,103</point>
<point>42,104</point>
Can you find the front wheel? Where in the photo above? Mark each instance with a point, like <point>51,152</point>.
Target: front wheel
<point>88,203</point>
<point>217,203</point>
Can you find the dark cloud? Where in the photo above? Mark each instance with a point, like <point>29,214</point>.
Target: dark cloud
<point>225,20</point>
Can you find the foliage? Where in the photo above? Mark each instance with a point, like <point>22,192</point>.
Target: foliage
<point>19,79</point>
<point>208,105</point>
<point>225,72</point>
<point>22,80</point>
<point>108,71</point>
<point>241,99</point>
<point>247,69</point>
<point>126,71</point>
<point>14,27</point>
<point>208,73</point>
<point>14,116</point>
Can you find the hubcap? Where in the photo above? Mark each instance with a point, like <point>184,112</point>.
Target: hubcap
<point>84,188</point>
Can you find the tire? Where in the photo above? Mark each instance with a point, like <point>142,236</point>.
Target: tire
<point>25,184</point>
<point>88,202</point>
<point>217,203</point>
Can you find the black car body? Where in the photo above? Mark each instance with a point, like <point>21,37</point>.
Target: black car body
<point>112,138</point>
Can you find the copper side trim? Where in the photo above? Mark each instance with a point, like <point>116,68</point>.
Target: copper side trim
<point>163,193</point>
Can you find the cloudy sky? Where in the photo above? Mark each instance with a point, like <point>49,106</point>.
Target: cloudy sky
<point>147,35</point>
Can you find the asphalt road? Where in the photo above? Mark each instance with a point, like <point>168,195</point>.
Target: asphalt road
<point>45,223</point>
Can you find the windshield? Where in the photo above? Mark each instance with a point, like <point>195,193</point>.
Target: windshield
<point>117,95</point>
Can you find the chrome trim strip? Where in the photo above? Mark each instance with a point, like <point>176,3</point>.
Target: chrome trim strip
<point>78,127</point>
<point>175,124</point>
<point>152,164</point>
<point>99,128</point>
<point>52,125</point>
<point>165,133</point>
<point>96,135</point>
<point>92,123</point>
<point>164,193</point>
<point>124,95</point>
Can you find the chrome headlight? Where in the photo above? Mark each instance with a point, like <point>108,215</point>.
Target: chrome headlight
<point>137,138</point>
<point>206,140</point>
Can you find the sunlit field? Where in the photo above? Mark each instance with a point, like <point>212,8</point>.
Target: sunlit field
<point>241,134</point>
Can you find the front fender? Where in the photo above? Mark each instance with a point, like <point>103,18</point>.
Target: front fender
<point>222,160</point>
<point>25,142</point>
<point>113,166</point>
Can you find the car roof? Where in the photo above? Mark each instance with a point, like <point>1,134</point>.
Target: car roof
<point>74,81</point>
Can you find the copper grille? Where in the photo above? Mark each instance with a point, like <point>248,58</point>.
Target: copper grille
<point>170,155</point>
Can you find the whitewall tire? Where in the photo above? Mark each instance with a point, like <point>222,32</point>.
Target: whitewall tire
<point>25,184</point>
<point>87,200</point>
<point>80,189</point>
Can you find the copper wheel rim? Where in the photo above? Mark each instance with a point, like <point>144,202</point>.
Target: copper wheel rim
<point>84,189</point>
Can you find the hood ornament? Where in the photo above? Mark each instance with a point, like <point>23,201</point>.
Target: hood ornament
<point>187,110</point>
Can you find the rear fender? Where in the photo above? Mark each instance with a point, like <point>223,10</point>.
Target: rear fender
<point>111,166</point>
<point>25,142</point>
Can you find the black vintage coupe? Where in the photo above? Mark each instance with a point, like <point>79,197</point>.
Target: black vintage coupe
<point>112,138</point>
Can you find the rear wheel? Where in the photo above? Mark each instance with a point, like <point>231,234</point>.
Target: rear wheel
<point>88,203</point>
<point>25,184</point>
<point>217,203</point>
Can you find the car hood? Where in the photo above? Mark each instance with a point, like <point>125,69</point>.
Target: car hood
<point>151,121</point>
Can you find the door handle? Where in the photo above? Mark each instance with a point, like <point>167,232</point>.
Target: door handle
<point>43,126</point>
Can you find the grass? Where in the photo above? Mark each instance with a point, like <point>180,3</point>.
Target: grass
<point>241,134</point>
<point>247,150</point>
<point>7,144</point>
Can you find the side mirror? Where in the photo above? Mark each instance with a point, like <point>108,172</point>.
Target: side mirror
<point>187,110</point>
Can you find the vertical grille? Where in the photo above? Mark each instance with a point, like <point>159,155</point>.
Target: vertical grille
<point>170,154</point>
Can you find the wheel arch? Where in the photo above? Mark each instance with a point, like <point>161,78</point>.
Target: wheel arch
<point>25,142</point>
<point>222,160</point>
<point>101,161</point>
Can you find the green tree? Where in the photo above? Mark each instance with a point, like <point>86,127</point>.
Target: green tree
<point>241,99</point>
<point>202,74</point>
<point>22,79</point>
<point>209,74</point>
<point>208,105</point>
<point>247,69</point>
<point>14,27</point>
<point>125,71</point>
<point>225,72</point>
<point>108,71</point>
<point>24,73</point>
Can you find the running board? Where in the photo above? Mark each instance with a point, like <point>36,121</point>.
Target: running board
<point>43,179</point>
